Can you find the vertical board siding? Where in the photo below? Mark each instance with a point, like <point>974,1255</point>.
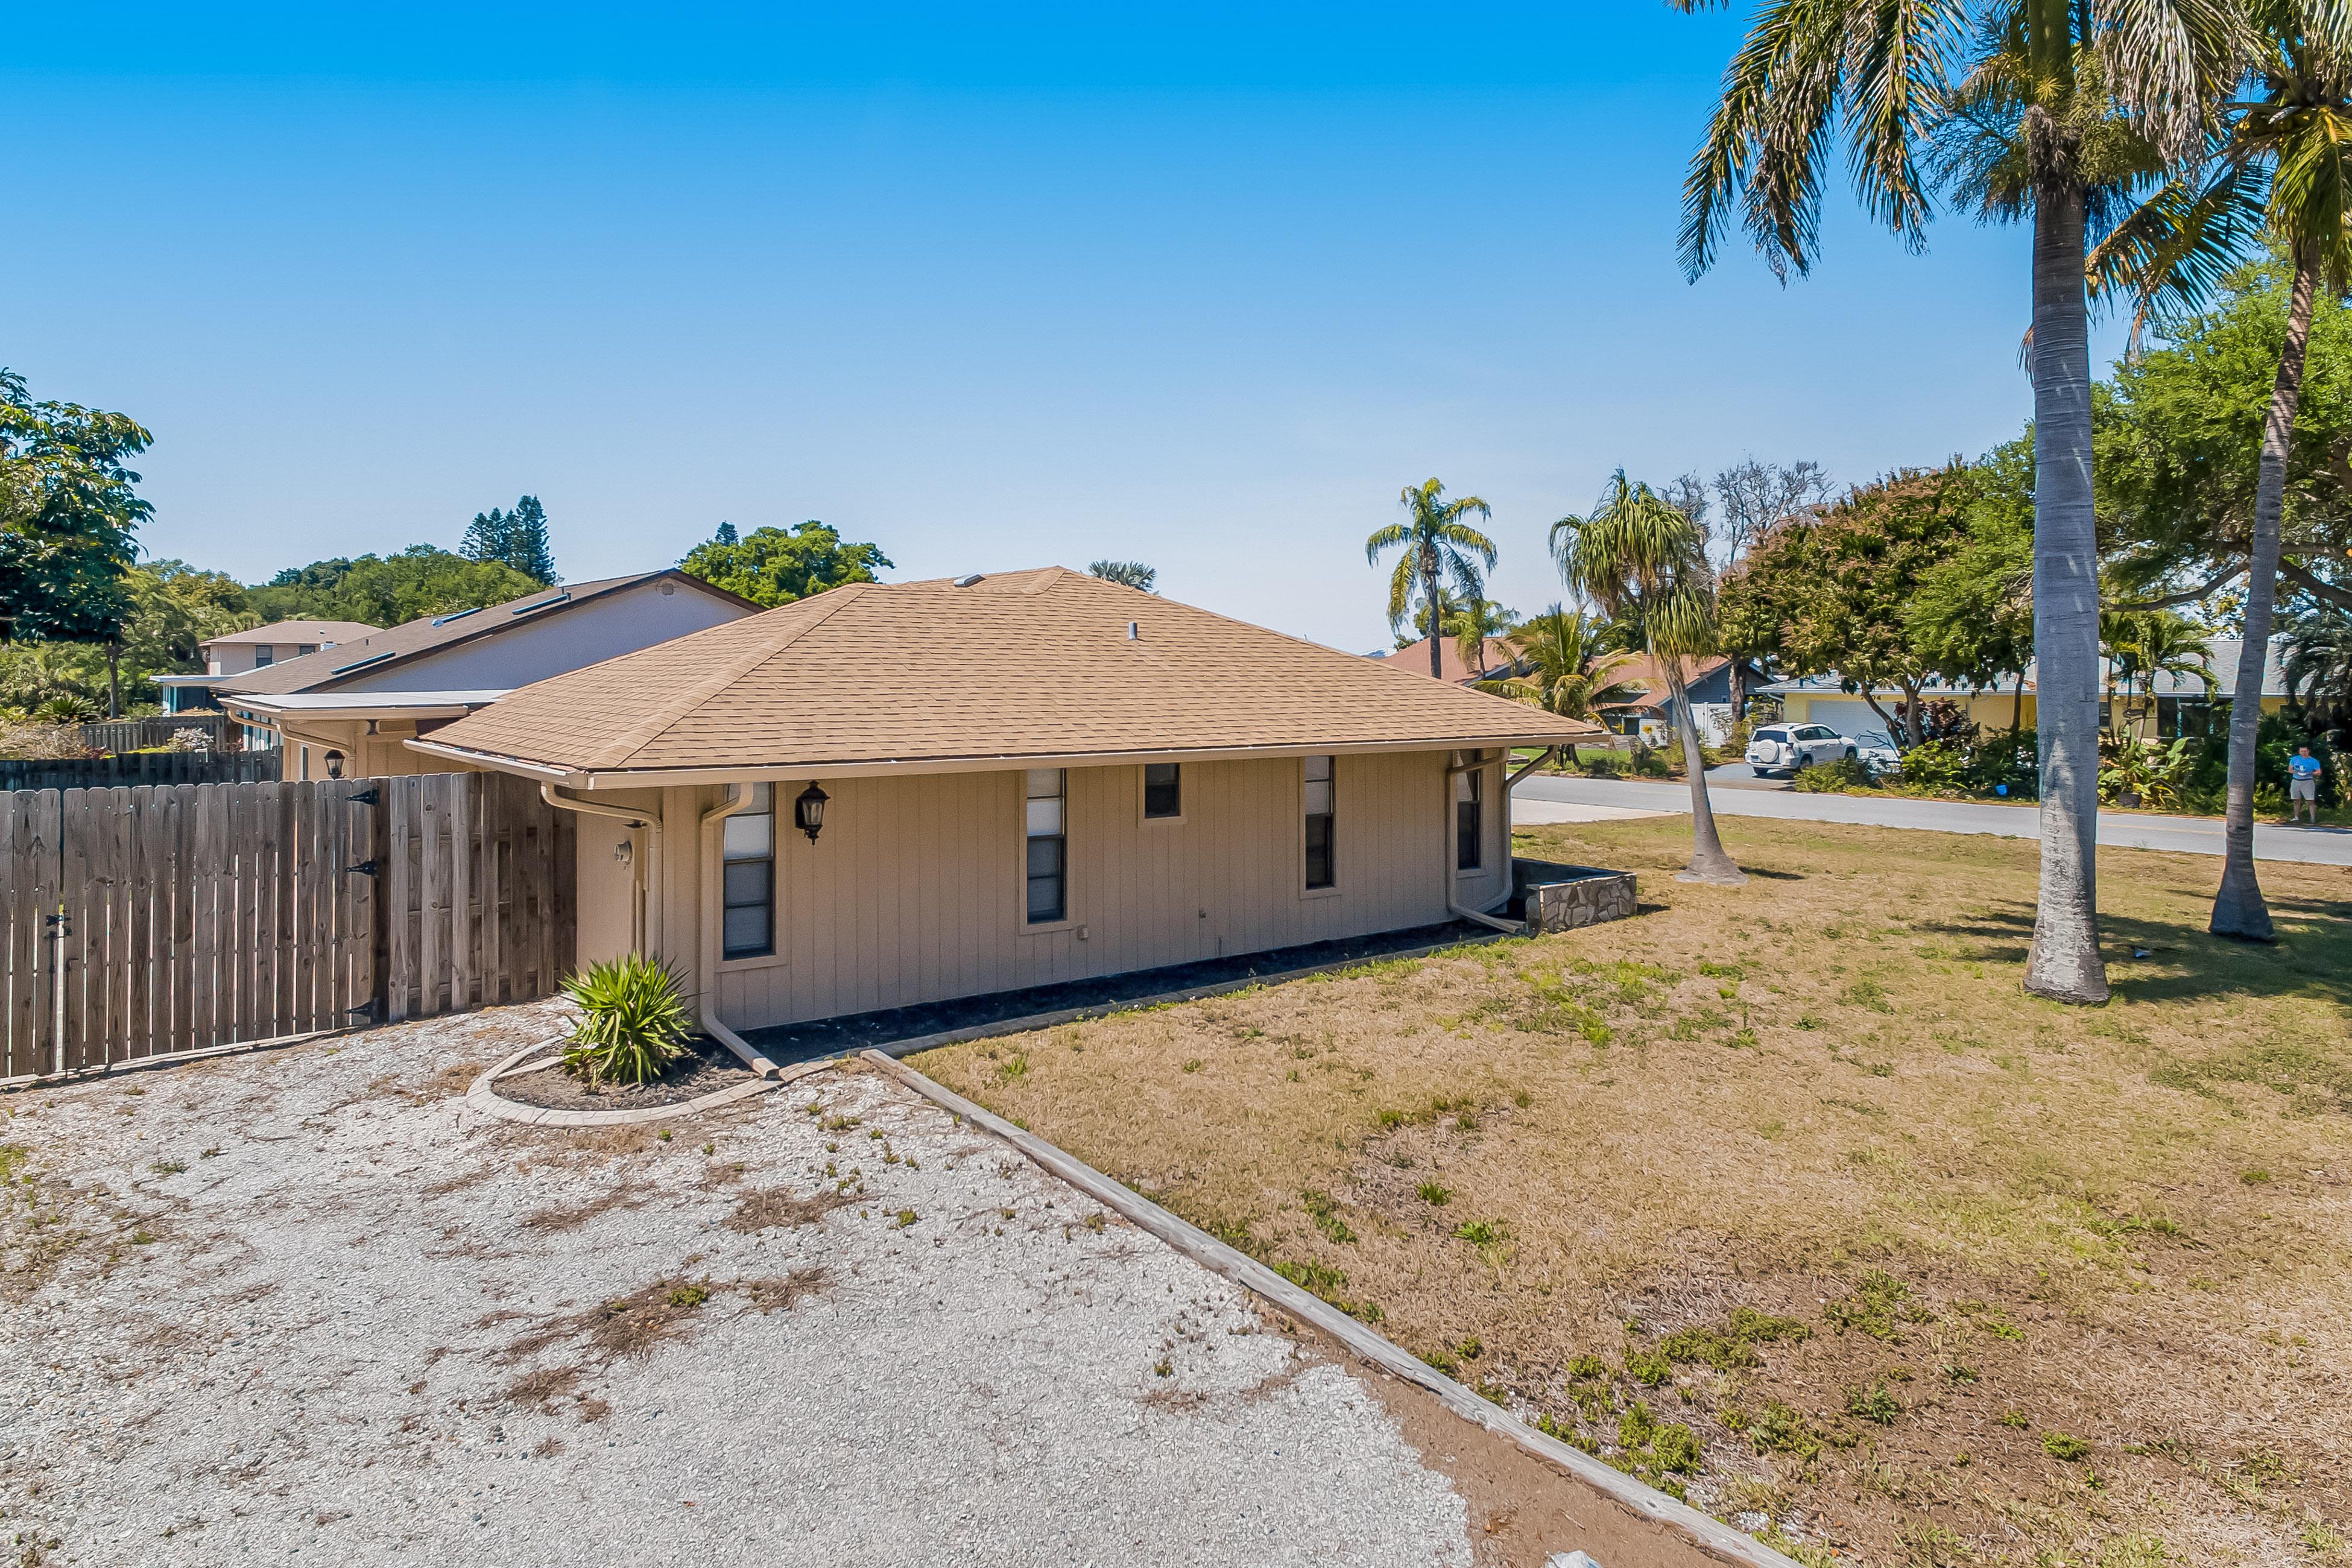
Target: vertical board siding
<point>914,892</point>
<point>149,920</point>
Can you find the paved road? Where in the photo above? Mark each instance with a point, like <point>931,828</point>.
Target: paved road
<point>2194,835</point>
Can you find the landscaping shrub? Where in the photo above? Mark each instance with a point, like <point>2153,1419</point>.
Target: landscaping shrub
<point>1829,778</point>
<point>1603,764</point>
<point>634,1019</point>
<point>1936,766</point>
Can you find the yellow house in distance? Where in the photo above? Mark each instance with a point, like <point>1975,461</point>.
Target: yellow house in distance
<point>2156,708</point>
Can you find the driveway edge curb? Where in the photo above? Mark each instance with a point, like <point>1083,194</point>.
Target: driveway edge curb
<point>1710,1535</point>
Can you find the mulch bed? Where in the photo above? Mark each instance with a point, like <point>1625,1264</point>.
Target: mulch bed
<point>707,1068</point>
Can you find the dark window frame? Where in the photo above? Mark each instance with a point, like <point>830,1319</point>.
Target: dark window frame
<point>1470,819</point>
<point>1324,876</point>
<point>730,882</point>
<point>1169,791</point>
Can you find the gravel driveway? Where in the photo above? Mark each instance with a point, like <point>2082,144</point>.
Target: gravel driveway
<point>301,1307</point>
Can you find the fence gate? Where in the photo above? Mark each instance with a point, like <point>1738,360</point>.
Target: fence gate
<point>148,921</point>
<point>477,895</point>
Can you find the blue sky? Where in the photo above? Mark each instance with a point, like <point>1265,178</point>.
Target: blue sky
<point>1203,287</point>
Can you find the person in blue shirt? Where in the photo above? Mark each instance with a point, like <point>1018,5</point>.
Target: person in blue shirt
<point>2303,785</point>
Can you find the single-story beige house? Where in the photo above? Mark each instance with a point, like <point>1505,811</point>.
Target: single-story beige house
<point>895,794</point>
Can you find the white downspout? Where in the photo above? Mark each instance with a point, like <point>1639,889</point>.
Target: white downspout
<point>706,950</point>
<point>1445,860</point>
<point>649,821</point>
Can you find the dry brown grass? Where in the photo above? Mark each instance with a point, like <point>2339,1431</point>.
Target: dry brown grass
<point>1987,1224</point>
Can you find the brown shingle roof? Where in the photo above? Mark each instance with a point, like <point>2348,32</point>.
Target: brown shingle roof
<point>1414,657</point>
<point>1027,664</point>
<point>330,667</point>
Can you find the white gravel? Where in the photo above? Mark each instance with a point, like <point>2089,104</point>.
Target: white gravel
<point>303,1348</point>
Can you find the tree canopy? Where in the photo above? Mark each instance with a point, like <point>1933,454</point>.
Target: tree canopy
<point>515,538</point>
<point>773,566</point>
<point>69,516</point>
<point>171,608</point>
<point>1133,574</point>
<point>385,590</point>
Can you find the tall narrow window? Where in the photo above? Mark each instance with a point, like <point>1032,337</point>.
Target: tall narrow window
<point>1319,864</point>
<point>1470,819</point>
<point>1048,853</point>
<point>748,918</point>
<point>1163,789</point>
<point>263,653</point>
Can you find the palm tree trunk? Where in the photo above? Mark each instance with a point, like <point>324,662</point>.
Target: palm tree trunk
<point>1739,696</point>
<point>2238,909</point>
<point>2064,964</point>
<point>1708,863</point>
<point>1436,617</point>
<point>2017,708</point>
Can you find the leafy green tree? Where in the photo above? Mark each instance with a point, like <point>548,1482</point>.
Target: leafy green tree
<point>1643,560</point>
<point>69,516</point>
<point>1440,552</point>
<point>516,538</point>
<point>386,590</point>
<point>2281,166</point>
<point>771,566</point>
<point>1571,673</point>
<point>172,608</point>
<point>2047,110</point>
<point>1971,617</point>
<point>1132,573</point>
<point>2319,653</point>
<point>1836,586</point>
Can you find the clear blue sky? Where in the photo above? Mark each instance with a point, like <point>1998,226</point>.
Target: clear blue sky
<point>1201,286</point>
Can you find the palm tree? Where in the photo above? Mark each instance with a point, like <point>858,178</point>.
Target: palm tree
<point>2084,92</point>
<point>2319,653</point>
<point>1642,561</point>
<point>1570,670</point>
<point>1476,627</point>
<point>1439,548</point>
<point>2144,644</point>
<point>2282,165</point>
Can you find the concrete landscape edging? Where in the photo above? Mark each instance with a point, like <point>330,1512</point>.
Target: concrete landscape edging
<point>1710,1534</point>
<point>481,1097</point>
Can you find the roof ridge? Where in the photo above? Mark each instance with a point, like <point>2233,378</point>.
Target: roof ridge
<point>628,742</point>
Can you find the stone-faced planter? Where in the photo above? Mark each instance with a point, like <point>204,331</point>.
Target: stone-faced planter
<point>1555,898</point>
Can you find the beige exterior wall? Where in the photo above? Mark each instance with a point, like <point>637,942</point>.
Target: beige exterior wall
<point>914,892</point>
<point>381,755</point>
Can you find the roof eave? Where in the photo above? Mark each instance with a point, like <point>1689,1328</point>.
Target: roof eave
<point>645,778</point>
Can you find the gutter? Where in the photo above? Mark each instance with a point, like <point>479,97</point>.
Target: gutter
<point>705,956</point>
<point>650,821</point>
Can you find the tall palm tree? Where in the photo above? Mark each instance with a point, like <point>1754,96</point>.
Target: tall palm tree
<point>2073,81</point>
<point>2319,653</point>
<point>1439,549</point>
<point>1641,560</point>
<point>2144,644</point>
<point>2281,166</point>
<point>1570,672</point>
<point>1476,627</point>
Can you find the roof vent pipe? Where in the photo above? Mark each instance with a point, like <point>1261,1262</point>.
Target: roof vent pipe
<point>967,581</point>
<point>1131,635</point>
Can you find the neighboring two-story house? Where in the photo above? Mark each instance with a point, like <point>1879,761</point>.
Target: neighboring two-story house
<point>234,653</point>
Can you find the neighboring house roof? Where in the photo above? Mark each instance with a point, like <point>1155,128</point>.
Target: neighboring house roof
<point>295,632</point>
<point>1018,666</point>
<point>1649,677</point>
<point>373,655</point>
<point>1414,657</point>
<point>2224,652</point>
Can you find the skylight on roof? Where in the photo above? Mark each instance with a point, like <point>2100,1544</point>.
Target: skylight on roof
<point>526,609</point>
<point>456,616</point>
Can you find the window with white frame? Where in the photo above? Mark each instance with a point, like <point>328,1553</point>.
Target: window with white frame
<point>748,878</point>
<point>263,653</point>
<point>1048,857</point>
<point>1470,819</point>
<point>1321,804</point>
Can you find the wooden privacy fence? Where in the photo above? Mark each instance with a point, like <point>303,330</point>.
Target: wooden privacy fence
<point>478,880</point>
<point>122,735</point>
<point>153,920</point>
<point>143,921</point>
<point>141,768</point>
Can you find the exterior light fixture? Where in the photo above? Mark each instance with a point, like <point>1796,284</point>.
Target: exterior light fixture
<point>334,764</point>
<point>808,811</point>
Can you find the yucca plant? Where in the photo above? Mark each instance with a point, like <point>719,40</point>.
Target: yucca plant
<point>634,1019</point>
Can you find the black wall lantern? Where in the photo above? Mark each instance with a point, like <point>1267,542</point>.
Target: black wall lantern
<point>334,761</point>
<point>808,811</point>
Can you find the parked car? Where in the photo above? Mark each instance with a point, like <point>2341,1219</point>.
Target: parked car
<point>1785,748</point>
<point>1878,751</point>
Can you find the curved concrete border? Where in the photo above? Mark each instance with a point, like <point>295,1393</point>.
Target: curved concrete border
<point>481,1097</point>
<point>1713,1536</point>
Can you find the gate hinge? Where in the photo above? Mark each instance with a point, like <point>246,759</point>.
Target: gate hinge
<point>369,797</point>
<point>364,1010</point>
<point>365,868</point>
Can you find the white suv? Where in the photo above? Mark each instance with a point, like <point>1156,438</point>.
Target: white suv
<point>1785,748</point>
